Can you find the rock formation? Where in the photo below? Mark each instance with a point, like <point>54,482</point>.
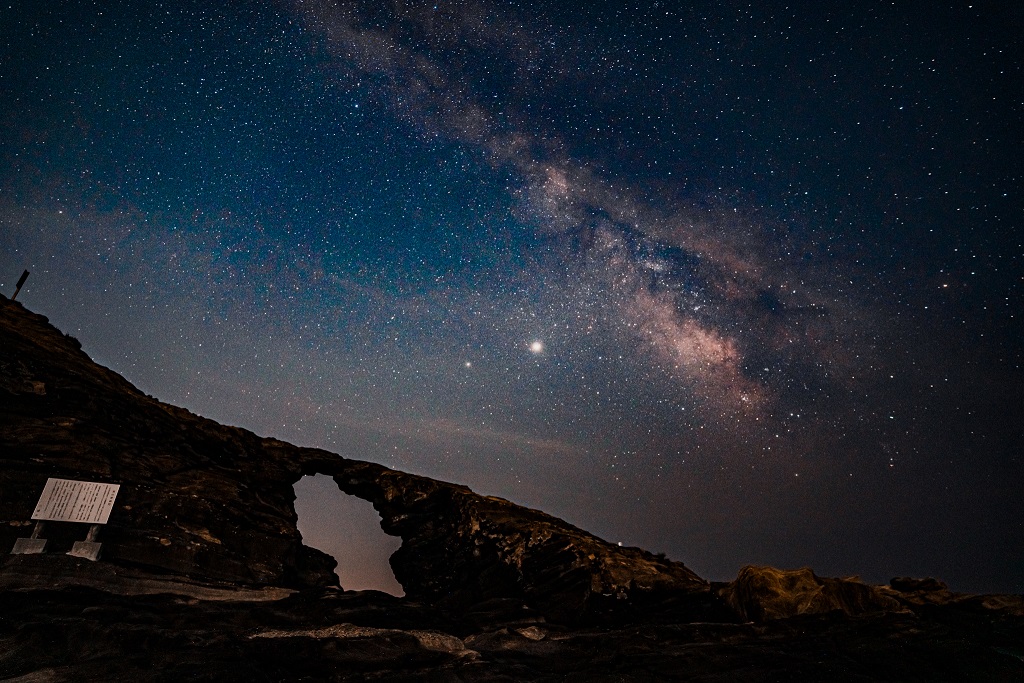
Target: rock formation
<point>213,505</point>
<point>763,593</point>
<point>204,575</point>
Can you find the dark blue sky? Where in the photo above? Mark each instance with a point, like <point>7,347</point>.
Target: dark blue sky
<point>739,284</point>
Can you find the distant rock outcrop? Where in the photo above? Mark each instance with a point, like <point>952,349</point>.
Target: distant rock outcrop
<point>764,593</point>
<point>928,593</point>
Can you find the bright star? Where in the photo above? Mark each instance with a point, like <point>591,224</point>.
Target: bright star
<point>537,347</point>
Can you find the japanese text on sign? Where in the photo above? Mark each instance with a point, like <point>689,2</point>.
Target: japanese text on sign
<point>65,500</point>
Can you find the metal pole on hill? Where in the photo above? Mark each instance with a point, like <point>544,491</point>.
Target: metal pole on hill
<point>21,281</point>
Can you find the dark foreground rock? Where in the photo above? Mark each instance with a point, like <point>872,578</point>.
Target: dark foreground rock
<point>84,634</point>
<point>204,576</point>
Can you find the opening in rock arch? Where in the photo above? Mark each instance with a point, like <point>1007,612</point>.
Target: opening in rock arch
<point>348,529</point>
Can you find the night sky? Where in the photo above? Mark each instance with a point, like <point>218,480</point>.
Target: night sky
<point>739,284</point>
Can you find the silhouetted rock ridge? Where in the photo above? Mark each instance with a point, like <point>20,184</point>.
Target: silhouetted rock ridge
<point>213,504</point>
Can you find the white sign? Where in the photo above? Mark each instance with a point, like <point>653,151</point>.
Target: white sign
<point>64,500</point>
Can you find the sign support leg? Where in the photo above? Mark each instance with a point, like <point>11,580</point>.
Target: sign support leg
<point>33,545</point>
<point>88,549</point>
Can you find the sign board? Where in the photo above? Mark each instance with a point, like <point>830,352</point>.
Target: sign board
<point>65,500</point>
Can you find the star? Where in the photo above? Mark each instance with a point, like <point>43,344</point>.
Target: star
<point>536,347</point>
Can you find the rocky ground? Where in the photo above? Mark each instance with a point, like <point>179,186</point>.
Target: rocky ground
<point>78,633</point>
<point>204,576</point>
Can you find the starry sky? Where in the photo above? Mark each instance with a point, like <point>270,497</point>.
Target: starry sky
<point>737,283</point>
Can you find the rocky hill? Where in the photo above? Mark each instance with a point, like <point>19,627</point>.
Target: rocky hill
<point>204,576</point>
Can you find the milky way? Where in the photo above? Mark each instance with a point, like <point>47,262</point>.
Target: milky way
<point>737,285</point>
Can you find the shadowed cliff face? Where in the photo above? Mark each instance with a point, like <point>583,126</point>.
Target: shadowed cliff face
<point>198,500</point>
<point>213,505</point>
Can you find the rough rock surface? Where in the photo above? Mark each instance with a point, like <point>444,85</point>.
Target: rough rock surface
<point>204,576</point>
<point>80,634</point>
<point>763,593</point>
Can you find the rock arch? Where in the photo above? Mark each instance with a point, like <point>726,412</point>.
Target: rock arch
<point>460,549</point>
<point>348,529</point>
<point>213,505</point>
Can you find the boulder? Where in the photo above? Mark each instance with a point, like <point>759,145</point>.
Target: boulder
<point>765,593</point>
